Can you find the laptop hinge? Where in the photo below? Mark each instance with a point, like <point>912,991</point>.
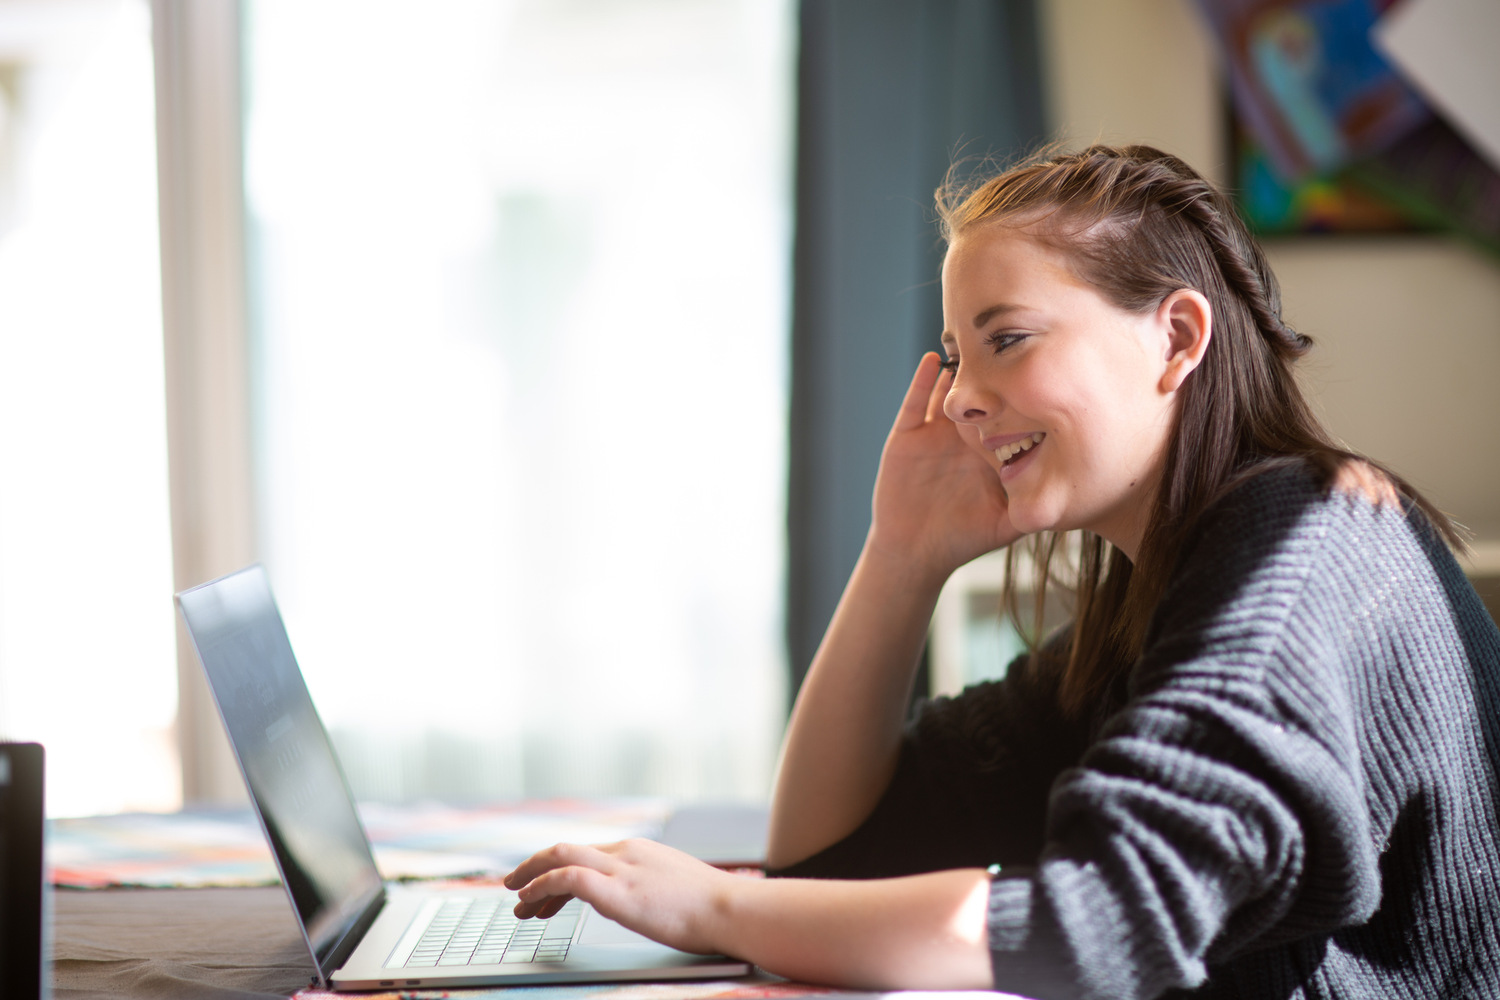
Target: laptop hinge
<point>335,957</point>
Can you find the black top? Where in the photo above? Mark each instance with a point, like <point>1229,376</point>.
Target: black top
<point>1294,797</point>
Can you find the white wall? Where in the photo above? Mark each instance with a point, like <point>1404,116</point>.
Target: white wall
<point>1133,71</point>
<point>1408,327</point>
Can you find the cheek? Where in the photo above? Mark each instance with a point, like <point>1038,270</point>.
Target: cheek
<point>972,437</point>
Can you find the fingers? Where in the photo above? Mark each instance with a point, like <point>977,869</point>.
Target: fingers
<point>939,394</point>
<point>541,909</point>
<point>556,856</point>
<point>544,895</point>
<point>548,879</point>
<point>917,404</point>
<point>541,894</point>
<point>552,905</point>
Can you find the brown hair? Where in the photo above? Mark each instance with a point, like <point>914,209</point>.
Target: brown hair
<point>1139,224</point>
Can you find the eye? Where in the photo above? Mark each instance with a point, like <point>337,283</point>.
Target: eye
<point>1003,340</point>
<point>950,366</point>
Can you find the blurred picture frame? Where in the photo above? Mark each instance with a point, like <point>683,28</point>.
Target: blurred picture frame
<point>1327,137</point>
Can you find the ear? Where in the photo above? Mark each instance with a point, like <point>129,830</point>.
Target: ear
<point>1188,321</point>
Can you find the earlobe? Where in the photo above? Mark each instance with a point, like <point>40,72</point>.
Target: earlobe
<point>1188,320</point>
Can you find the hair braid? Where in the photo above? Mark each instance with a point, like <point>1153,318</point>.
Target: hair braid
<point>1244,267</point>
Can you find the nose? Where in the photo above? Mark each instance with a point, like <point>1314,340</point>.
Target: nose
<point>967,402</point>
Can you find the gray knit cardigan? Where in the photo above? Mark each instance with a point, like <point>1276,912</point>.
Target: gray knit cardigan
<point>1291,794</point>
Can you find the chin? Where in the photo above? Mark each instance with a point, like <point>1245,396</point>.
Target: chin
<point>1031,518</point>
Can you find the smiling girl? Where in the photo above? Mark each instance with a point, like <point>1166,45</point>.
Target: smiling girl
<point>1262,759</point>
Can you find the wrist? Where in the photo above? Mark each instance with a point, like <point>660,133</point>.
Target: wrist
<point>919,576</point>
<point>724,924</point>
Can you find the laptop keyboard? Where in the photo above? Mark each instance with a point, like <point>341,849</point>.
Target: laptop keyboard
<point>484,931</point>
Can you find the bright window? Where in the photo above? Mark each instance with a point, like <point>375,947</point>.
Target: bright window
<point>519,290</point>
<point>87,662</point>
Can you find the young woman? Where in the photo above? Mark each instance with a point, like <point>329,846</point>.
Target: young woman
<point>1262,760</point>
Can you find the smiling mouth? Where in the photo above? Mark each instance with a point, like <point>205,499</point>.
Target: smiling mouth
<point>1009,453</point>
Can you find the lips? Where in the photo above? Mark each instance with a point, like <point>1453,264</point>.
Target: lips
<point>1008,453</point>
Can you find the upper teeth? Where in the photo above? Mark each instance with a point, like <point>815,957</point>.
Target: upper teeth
<point>1007,452</point>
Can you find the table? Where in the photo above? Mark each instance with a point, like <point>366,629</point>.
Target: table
<point>236,943</point>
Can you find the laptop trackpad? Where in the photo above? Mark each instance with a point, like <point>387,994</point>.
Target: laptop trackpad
<point>599,929</point>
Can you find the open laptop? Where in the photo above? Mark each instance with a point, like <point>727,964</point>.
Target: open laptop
<point>24,895</point>
<point>361,933</point>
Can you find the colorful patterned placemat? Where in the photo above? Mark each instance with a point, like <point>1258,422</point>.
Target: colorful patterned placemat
<point>226,847</point>
<point>757,987</point>
<point>760,986</point>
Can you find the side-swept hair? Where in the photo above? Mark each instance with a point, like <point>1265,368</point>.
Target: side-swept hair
<point>1139,224</point>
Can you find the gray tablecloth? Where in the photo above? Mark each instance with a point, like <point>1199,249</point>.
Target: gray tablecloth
<point>201,943</point>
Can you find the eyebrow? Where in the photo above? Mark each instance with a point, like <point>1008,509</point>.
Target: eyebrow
<point>984,316</point>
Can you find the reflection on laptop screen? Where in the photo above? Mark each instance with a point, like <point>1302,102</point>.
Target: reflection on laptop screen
<point>283,749</point>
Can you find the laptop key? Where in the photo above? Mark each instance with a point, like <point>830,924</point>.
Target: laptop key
<point>484,932</point>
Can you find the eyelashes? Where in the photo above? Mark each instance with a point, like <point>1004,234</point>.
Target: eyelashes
<point>1002,341</point>
<point>998,342</point>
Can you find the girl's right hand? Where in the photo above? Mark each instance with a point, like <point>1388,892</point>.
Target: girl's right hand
<point>938,499</point>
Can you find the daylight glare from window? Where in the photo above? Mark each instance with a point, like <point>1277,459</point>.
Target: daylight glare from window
<point>519,293</point>
<point>87,662</point>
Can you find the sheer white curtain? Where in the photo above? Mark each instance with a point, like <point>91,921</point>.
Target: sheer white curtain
<point>519,290</point>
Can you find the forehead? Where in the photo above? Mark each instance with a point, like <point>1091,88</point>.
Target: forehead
<point>999,259</point>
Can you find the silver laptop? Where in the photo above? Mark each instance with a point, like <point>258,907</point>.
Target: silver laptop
<point>362,934</point>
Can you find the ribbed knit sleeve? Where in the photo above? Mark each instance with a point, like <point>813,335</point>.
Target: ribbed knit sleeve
<point>1317,669</point>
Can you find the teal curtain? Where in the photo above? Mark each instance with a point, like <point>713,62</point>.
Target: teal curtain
<point>889,91</point>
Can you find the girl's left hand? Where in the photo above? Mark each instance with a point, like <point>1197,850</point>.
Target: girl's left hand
<point>652,889</point>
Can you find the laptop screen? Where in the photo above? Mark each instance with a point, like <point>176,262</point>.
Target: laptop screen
<point>293,776</point>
